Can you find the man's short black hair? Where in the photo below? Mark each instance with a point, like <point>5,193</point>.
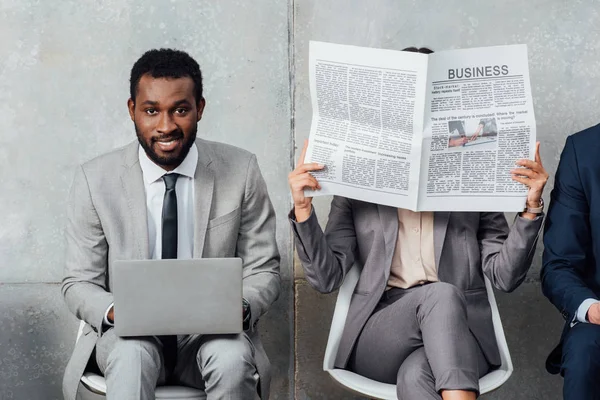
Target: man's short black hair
<point>166,63</point>
<point>423,50</point>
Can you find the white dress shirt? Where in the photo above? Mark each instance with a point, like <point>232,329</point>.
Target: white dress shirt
<point>582,311</point>
<point>155,193</point>
<point>154,186</point>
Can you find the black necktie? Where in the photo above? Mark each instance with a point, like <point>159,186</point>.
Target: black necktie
<point>169,217</point>
<point>169,250</point>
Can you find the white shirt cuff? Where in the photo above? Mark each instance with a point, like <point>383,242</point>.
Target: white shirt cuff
<point>106,321</point>
<point>583,309</point>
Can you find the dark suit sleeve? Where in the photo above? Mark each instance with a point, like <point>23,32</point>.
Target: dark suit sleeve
<point>326,256</point>
<point>567,238</point>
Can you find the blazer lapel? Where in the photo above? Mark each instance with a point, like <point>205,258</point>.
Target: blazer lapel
<point>133,187</point>
<point>440,225</point>
<point>204,181</point>
<point>388,217</point>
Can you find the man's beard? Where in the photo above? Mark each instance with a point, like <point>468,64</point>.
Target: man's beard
<point>169,161</point>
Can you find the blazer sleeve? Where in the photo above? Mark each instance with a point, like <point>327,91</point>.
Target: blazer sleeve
<point>567,238</point>
<point>257,245</point>
<point>326,256</point>
<point>507,253</point>
<point>85,272</point>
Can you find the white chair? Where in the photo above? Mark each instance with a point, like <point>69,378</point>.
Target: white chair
<point>378,390</point>
<point>96,384</point>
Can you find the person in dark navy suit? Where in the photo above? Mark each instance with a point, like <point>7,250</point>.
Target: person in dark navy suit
<point>571,270</point>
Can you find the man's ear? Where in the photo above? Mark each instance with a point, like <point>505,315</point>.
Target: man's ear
<point>200,109</point>
<point>131,107</point>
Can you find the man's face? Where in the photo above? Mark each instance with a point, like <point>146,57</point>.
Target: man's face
<point>166,115</point>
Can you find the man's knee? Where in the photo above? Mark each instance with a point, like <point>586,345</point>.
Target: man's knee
<point>143,351</point>
<point>230,356</point>
<point>581,351</point>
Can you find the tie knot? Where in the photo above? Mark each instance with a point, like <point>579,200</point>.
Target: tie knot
<point>170,180</point>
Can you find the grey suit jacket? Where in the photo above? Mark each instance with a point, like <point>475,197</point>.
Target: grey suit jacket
<point>107,221</point>
<point>467,245</point>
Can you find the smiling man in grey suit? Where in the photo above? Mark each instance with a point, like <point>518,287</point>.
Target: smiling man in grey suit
<point>419,316</point>
<point>169,195</point>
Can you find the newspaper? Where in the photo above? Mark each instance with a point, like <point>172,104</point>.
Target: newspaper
<point>437,132</point>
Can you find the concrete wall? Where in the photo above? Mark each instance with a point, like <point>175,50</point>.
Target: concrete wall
<point>563,46</point>
<point>64,74</point>
<point>64,69</point>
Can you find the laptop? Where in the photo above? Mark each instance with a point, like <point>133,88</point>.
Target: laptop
<point>177,297</point>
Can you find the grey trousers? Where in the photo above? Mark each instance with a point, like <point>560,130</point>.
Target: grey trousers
<point>221,365</point>
<point>418,339</point>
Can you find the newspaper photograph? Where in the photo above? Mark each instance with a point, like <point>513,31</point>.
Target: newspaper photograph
<point>437,132</point>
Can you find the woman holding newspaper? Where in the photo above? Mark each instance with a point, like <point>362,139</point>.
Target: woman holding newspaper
<point>419,316</point>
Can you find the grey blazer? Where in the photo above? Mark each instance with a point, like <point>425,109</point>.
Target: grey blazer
<point>107,221</point>
<point>467,245</point>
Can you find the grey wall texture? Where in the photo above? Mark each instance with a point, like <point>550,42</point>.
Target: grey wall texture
<point>64,69</point>
<point>563,44</point>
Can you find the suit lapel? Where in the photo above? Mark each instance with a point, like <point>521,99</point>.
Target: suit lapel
<point>204,181</point>
<point>135,193</point>
<point>440,225</point>
<point>388,217</point>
